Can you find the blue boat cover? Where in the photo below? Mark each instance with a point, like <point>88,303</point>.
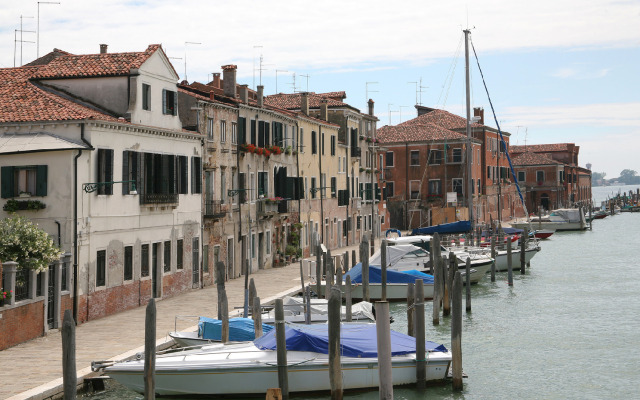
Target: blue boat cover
<point>356,340</point>
<point>240,329</point>
<point>452,227</point>
<point>375,275</point>
<point>507,231</point>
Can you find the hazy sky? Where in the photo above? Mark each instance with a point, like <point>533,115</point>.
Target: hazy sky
<point>557,71</point>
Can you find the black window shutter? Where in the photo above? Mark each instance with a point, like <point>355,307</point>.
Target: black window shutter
<point>301,188</point>
<point>290,185</point>
<point>193,175</point>
<point>41,180</point>
<point>164,101</point>
<point>125,171</point>
<point>7,182</point>
<point>242,130</point>
<point>165,174</point>
<point>241,192</point>
<point>253,131</point>
<point>109,170</point>
<point>261,125</point>
<point>266,134</point>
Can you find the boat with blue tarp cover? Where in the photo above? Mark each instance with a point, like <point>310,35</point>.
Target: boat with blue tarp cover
<point>249,368</point>
<point>210,330</point>
<point>452,227</point>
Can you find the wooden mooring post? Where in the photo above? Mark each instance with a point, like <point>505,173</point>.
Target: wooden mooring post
<point>69,376</point>
<point>523,249</point>
<point>307,309</point>
<point>328,274</point>
<point>149,351</point>
<point>364,258</point>
<point>437,290</point>
<point>256,314</point>
<point>319,271</point>
<point>224,309</point>
<point>383,336</point>
<point>281,350</point>
<point>456,333</point>
<point>493,255</point>
<point>345,259</point>
<point>383,259</point>
<point>335,371</point>
<point>347,295</point>
<point>220,276</point>
<point>410,309</point>
<point>467,281</point>
<point>421,362</point>
<point>509,263</point>
<point>252,292</point>
<point>301,278</point>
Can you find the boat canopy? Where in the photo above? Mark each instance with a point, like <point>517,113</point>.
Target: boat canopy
<point>356,340</point>
<point>452,227</point>
<point>507,231</point>
<point>375,275</point>
<point>240,329</point>
<point>397,253</point>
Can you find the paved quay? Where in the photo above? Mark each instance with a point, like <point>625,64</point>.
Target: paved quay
<point>33,370</point>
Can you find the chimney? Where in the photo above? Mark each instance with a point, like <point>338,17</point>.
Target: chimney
<point>216,80</point>
<point>479,112</point>
<point>370,107</point>
<point>229,80</point>
<point>304,103</point>
<point>260,96</point>
<point>103,48</point>
<point>324,109</point>
<point>244,93</point>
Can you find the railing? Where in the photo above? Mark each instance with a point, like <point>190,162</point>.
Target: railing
<point>355,151</point>
<point>157,198</point>
<point>264,208</point>
<point>21,291</point>
<point>283,206</point>
<point>214,209</point>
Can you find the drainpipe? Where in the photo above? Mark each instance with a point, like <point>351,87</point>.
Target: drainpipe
<point>320,147</point>
<point>75,224</point>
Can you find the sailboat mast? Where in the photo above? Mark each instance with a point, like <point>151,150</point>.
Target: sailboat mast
<point>469,150</point>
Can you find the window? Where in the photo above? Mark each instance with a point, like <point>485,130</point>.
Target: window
<point>27,179</point>
<point>101,262</point>
<point>323,184</point>
<point>435,157</point>
<point>263,183</point>
<point>252,186</point>
<point>390,192</point>
<point>414,189</point>
<point>169,102</point>
<point>457,186</point>
<point>521,176</point>
<point>253,245</point>
<point>561,176</point>
<point>301,141</point>
<point>167,256</point>
<point>196,175</point>
<point>223,131</point>
<point>128,263</point>
<point>144,260</point>
<point>333,186</point>
<point>105,170</point>
<point>268,243</point>
<point>210,122</point>
<point>339,164</point>
<point>146,97</point>
<point>314,147</point>
<point>234,133</point>
<point>183,173</point>
<point>390,161</point>
<point>333,145</point>
<point>179,254</point>
<point>456,155</point>
<point>205,258</point>
<point>322,144</point>
<point>479,186</point>
<point>478,157</point>
<point>129,171</point>
<point>435,187</point>
<point>313,187</point>
<point>539,176</point>
<point>415,158</point>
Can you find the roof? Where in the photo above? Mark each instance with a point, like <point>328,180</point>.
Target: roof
<point>441,118</point>
<point>341,95</point>
<point>291,101</point>
<point>94,65</point>
<point>47,58</point>
<point>530,158</point>
<point>540,148</point>
<point>11,143</point>
<point>24,101</point>
<point>416,133</point>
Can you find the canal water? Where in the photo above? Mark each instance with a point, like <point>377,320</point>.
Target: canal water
<point>567,329</point>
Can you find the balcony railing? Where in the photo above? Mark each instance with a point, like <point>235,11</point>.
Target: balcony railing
<point>214,209</point>
<point>266,209</point>
<point>356,203</point>
<point>283,206</point>
<point>157,198</point>
<point>355,151</point>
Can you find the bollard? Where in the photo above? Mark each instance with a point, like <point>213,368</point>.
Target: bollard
<point>365,270</point>
<point>246,289</point>
<point>421,361</point>
<point>383,335</point>
<point>509,265</point>
<point>523,249</point>
<point>149,351</point>
<point>318,271</point>
<point>307,309</point>
<point>493,255</point>
<point>256,314</point>
<point>383,255</point>
<point>224,306</point>
<point>69,377</point>
<point>468,284</point>
<point>456,333</point>
<point>446,294</point>
<point>339,278</point>
<point>335,372</point>
<point>410,309</point>
<point>347,295</point>
<point>281,350</point>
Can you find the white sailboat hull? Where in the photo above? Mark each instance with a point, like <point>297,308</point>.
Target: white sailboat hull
<point>395,291</point>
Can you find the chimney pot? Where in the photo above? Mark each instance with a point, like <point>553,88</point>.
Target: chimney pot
<point>479,112</point>
<point>244,93</point>
<point>229,80</point>
<point>370,102</point>
<point>260,96</point>
<point>103,48</point>
<point>304,103</point>
<point>216,80</point>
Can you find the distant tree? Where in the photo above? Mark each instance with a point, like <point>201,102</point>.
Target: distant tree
<point>628,176</point>
<point>597,176</point>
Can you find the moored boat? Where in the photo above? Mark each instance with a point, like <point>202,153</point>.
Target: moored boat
<point>564,219</point>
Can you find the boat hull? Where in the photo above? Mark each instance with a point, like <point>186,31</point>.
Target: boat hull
<point>502,261</point>
<point>307,372</point>
<point>395,291</point>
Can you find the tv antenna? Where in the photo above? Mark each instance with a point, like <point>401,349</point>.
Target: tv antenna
<point>38,26</point>
<point>306,76</point>
<point>185,58</point>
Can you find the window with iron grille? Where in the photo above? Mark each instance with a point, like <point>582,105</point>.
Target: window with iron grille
<point>144,260</point>
<point>167,256</point>
<point>101,268</point>
<point>128,263</point>
<point>179,254</point>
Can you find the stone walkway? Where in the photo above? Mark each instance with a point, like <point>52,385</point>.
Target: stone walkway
<point>33,370</point>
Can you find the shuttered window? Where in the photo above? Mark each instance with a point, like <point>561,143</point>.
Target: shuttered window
<point>169,102</point>
<point>30,179</point>
<point>242,130</point>
<point>129,171</point>
<point>314,148</point>
<point>196,175</point>
<point>101,262</point>
<point>333,145</point>
<point>105,170</point>
<point>128,263</point>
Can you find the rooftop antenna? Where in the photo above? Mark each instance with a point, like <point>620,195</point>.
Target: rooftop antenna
<point>306,76</point>
<point>38,25</point>
<point>15,43</point>
<point>518,133</point>
<point>279,70</point>
<point>22,41</point>
<point>185,58</point>
<point>294,82</point>
<point>254,65</point>
<point>421,87</point>
<point>389,109</point>
<point>367,91</point>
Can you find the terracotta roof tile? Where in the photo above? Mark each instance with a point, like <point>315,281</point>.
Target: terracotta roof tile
<point>441,118</point>
<point>291,101</point>
<point>530,158</point>
<point>86,65</point>
<point>47,58</point>
<point>341,95</point>
<point>22,101</point>
<point>416,133</point>
<point>540,148</point>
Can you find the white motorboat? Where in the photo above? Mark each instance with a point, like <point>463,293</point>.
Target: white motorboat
<point>251,368</point>
<point>563,219</point>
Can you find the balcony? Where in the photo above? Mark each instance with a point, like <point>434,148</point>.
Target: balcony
<point>215,209</point>
<point>283,206</point>
<point>157,198</point>
<point>356,151</point>
<point>356,202</point>
<point>266,209</point>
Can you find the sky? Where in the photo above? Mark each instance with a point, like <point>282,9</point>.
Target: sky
<point>556,70</point>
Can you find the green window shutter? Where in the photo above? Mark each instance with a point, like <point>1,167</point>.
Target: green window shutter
<point>253,131</point>
<point>261,130</point>
<point>109,170</point>
<point>290,187</point>
<point>301,188</point>
<point>7,182</point>
<point>125,171</point>
<point>266,134</point>
<point>41,180</point>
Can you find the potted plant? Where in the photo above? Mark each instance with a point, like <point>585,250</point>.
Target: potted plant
<point>287,150</point>
<point>362,169</point>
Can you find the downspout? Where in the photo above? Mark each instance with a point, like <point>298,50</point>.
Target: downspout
<point>348,163</point>
<point>75,224</point>
<point>406,183</point>
<point>320,149</point>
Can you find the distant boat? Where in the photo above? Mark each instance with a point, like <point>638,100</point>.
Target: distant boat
<point>450,228</point>
<point>248,369</point>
